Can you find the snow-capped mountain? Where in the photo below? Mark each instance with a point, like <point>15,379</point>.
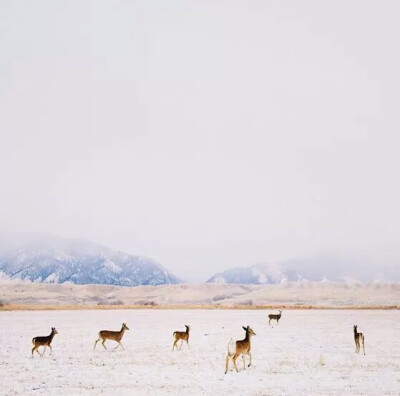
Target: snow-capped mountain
<point>58,260</point>
<point>258,274</point>
<point>323,267</point>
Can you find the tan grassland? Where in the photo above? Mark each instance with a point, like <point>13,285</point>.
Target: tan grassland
<point>16,307</point>
<point>19,295</point>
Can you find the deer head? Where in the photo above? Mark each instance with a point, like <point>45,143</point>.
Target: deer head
<point>249,330</point>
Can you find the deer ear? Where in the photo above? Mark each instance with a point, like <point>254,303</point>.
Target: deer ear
<point>244,328</point>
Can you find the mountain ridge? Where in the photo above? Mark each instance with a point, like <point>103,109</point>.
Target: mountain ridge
<point>320,268</point>
<point>61,260</point>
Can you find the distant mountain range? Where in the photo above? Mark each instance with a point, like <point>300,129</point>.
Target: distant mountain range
<point>325,267</point>
<point>258,274</point>
<point>58,260</point>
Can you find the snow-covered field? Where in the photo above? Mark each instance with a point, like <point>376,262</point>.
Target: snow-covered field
<point>309,353</point>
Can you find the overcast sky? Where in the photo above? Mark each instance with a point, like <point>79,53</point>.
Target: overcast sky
<point>203,134</point>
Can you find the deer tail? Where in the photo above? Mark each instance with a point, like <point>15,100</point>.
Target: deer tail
<point>231,347</point>
<point>173,333</point>
<point>33,340</point>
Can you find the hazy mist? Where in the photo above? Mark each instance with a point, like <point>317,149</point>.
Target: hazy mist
<point>203,134</point>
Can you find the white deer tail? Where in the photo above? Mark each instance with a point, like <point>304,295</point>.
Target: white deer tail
<point>231,347</point>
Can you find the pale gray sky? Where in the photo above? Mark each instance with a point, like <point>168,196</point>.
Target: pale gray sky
<point>203,134</point>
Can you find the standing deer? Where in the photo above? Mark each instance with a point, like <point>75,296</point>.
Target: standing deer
<point>274,317</point>
<point>357,337</point>
<point>181,335</point>
<point>44,341</point>
<point>112,335</point>
<point>241,347</point>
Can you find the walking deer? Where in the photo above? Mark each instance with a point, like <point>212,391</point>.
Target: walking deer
<point>181,335</point>
<point>238,348</point>
<point>44,341</point>
<point>274,317</point>
<point>357,338</point>
<point>112,335</point>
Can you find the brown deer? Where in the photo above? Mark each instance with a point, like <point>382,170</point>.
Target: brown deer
<point>238,348</point>
<point>112,335</point>
<point>181,335</point>
<point>274,317</point>
<point>44,341</point>
<point>357,338</point>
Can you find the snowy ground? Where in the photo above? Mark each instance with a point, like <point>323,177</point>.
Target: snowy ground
<point>309,353</point>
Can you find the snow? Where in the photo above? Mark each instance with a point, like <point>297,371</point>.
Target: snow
<point>110,265</point>
<point>262,278</point>
<point>81,262</point>
<point>52,278</point>
<point>218,279</point>
<point>310,352</point>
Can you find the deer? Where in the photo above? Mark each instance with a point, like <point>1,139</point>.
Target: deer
<point>105,335</point>
<point>181,335</point>
<point>274,317</point>
<point>357,337</point>
<point>44,341</point>
<point>241,347</point>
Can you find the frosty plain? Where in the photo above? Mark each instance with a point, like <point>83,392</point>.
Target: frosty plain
<point>311,352</point>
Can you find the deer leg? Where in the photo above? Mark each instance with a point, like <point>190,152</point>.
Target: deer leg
<point>119,344</point>
<point>44,349</point>
<point>227,362</point>
<point>173,346</point>
<point>244,362</point>
<point>234,361</point>
<point>269,322</point>
<point>35,348</point>
<point>51,349</point>
<point>363,345</point>
<point>187,342</point>
<point>103,343</point>
<point>181,345</point>
<point>250,359</point>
